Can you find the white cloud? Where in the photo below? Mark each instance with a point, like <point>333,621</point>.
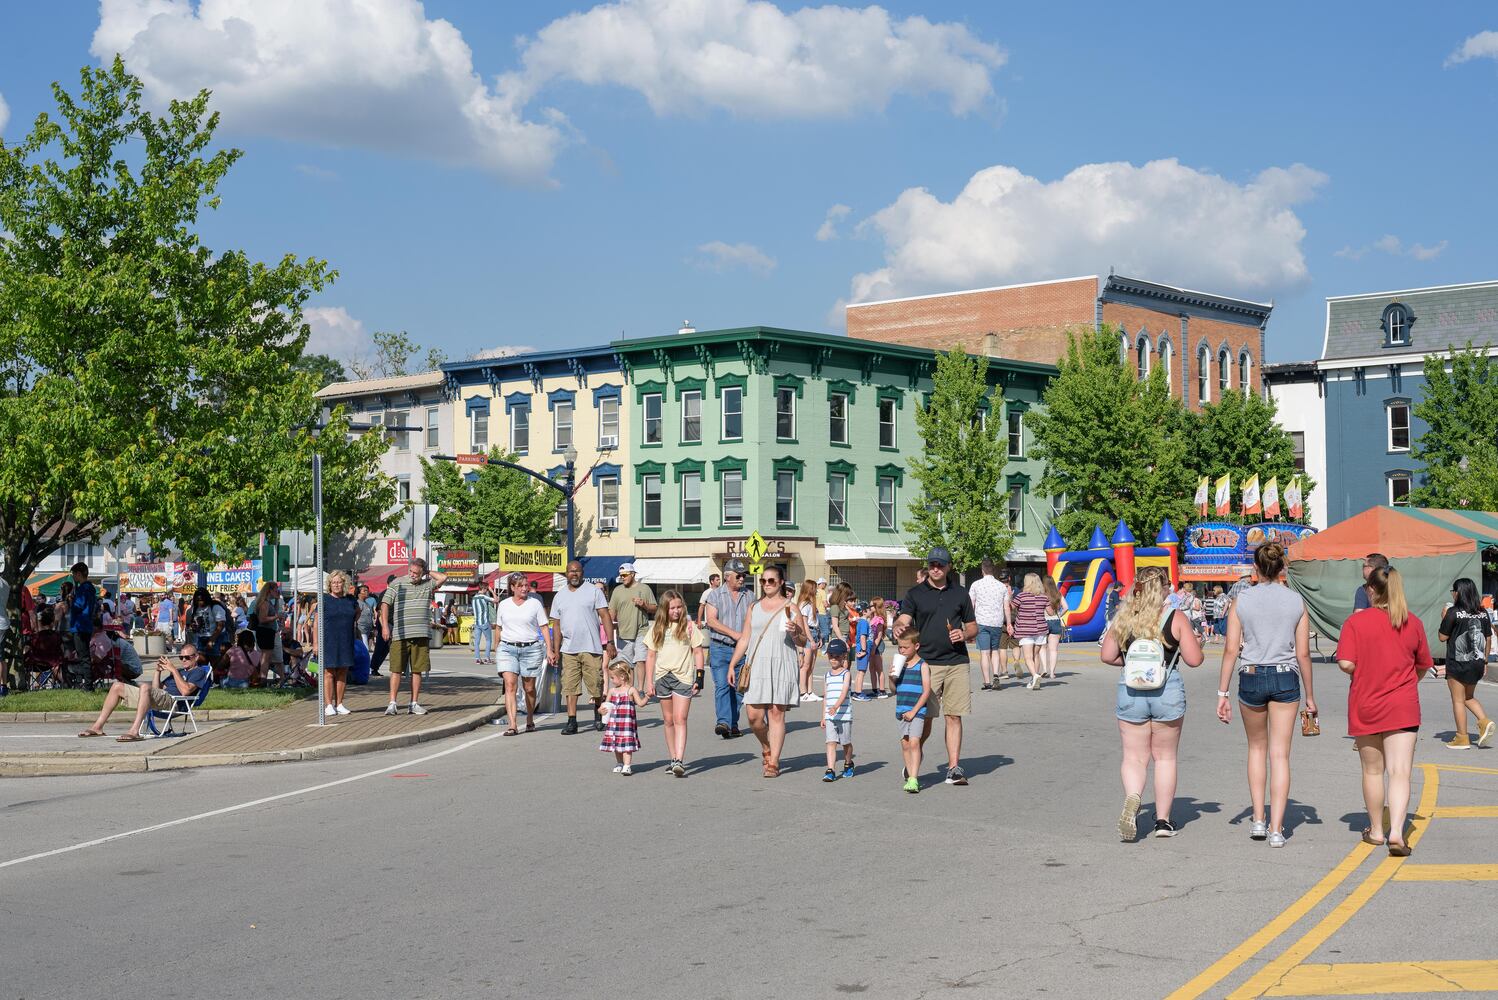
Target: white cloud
<point>335,333</point>
<point>4,112</point>
<point>504,351</point>
<point>751,58</point>
<point>1394,247</point>
<point>372,73</point>
<point>828,229</point>
<point>315,172</point>
<point>1162,220</point>
<point>719,256</point>
<point>1483,45</point>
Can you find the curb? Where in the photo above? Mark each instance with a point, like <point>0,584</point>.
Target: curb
<point>212,715</point>
<point>69,762</point>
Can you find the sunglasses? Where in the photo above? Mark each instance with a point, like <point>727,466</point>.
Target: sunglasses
<point>767,582</point>
<point>936,565</point>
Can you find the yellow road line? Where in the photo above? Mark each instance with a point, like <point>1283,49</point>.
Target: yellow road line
<point>1385,978</point>
<point>1462,768</point>
<point>1447,873</point>
<point>1467,812</point>
<point>1269,976</point>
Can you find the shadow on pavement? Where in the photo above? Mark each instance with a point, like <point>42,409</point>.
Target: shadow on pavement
<point>723,760</point>
<point>1185,811</point>
<point>975,767</point>
<point>1296,814</point>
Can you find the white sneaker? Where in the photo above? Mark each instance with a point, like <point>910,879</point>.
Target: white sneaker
<point>330,715</point>
<point>391,709</point>
<point>417,709</point>
<point>626,770</point>
<point>618,768</point>
<point>341,710</point>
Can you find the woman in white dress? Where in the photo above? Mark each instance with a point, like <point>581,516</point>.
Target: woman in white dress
<point>768,646</point>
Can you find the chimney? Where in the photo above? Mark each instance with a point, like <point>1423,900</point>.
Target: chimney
<point>686,327</point>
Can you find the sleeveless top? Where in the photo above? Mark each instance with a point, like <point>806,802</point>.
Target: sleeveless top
<point>1269,614</point>
<point>908,691</point>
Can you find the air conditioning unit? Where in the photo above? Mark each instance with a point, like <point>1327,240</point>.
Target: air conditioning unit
<point>606,443</point>
<point>608,524</point>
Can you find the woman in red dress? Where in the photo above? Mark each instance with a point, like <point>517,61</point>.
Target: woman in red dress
<point>1383,649</point>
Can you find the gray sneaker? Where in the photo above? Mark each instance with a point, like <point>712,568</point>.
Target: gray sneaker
<point>1128,827</point>
<point>1276,839</point>
<point>417,709</point>
<point>391,709</point>
<point>1259,831</point>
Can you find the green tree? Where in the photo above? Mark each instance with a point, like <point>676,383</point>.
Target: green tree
<point>961,504</point>
<point>321,367</point>
<point>500,506</point>
<point>394,350</point>
<point>1113,445</point>
<point>1240,436</point>
<point>1460,411</point>
<point>147,380</point>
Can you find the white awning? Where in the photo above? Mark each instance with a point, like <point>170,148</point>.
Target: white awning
<point>688,569</point>
<point>859,553</point>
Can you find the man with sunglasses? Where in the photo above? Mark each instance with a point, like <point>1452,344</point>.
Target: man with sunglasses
<point>186,678</point>
<point>942,612</point>
<point>727,613</point>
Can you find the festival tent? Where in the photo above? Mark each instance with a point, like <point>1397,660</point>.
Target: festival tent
<point>1430,548</point>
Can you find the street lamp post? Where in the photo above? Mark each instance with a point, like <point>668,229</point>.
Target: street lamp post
<point>571,458</point>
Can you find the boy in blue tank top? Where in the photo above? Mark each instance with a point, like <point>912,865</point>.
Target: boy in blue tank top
<point>912,692</point>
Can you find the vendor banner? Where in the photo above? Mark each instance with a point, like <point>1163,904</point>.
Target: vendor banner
<point>460,566</point>
<point>533,558</point>
<point>1201,497</point>
<point>1272,497</point>
<point>159,577</point>
<point>1293,500</point>
<point>242,579</point>
<point>1251,504</point>
<point>1224,496</point>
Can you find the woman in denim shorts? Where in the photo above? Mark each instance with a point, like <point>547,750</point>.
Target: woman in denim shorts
<point>1149,722</point>
<point>1269,642</point>
<point>522,649</point>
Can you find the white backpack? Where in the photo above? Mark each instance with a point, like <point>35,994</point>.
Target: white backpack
<point>1144,667</point>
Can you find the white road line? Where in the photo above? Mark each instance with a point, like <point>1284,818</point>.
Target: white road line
<point>403,765</point>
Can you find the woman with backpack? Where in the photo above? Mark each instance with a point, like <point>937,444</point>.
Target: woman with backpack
<point>1269,642</point>
<point>1148,637</point>
<point>1466,630</point>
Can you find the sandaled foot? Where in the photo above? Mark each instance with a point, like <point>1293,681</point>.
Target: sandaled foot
<point>510,732</point>
<point>129,738</point>
<point>90,732</point>
<point>772,770</point>
<point>1398,850</point>
<point>1369,839</point>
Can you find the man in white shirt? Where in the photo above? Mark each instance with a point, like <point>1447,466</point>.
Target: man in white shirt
<point>990,604</point>
<point>577,612</point>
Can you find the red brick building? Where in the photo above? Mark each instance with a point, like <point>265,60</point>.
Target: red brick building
<point>1206,342</point>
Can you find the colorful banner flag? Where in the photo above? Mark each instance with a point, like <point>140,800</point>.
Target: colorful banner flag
<point>1251,504</point>
<point>1201,497</point>
<point>1293,499</point>
<point>1224,496</point>
<point>1272,497</point>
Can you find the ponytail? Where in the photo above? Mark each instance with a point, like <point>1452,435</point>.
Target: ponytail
<point>1386,588</point>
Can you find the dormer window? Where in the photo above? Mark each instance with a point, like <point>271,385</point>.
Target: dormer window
<point>1396,324</point>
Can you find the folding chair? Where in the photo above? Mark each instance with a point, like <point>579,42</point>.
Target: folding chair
<point>182,707</point>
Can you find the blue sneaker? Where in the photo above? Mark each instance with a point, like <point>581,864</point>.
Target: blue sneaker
<point>830,775</point>
<point>848,770</point>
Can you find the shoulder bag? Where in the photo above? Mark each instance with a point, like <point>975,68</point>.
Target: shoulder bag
<point>743,676</point>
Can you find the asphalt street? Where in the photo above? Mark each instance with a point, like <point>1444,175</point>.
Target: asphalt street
<point>485,866</point>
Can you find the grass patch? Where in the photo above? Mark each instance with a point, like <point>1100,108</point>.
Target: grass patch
<point>70,700</point>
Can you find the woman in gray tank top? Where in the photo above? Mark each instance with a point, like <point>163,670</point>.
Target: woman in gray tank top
<point>1269,643</point>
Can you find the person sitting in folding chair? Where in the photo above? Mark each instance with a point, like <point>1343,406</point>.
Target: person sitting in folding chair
<point>183,679</point>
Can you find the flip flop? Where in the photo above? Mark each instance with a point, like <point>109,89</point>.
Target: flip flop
<point>127,738</point>
<point>1399,850</point>
<point>510,732</point>
<point>1368,839</point>
<point>88,733</point>
<point>530,727</point>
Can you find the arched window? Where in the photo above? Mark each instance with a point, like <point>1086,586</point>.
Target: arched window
<point>1165,366</point>
<point>1142,358</point>
<point>1203,375</point>
<point>1224,372</point>
<point>1245,373</point>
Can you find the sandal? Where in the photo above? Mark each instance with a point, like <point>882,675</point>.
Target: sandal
<point>1398,850</point>
<point>510,732</point>
<point>87,733</point>
<point>530,727</point>
<point>1368,838</point>
<point>772,770</point>
<point>128,738</point>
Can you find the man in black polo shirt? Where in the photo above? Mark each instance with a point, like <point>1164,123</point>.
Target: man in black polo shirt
<point>941,611</point>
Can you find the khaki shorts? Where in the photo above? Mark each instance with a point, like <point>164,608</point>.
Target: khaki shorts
<point>414,655</point>
<point>159,698</point>
<point>951,689</point>
<point>579,669</point>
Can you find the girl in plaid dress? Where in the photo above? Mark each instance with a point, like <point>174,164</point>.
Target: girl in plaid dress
<point>621,731</point>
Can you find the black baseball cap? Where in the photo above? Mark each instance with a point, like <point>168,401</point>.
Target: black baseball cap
<point>837,647</point>
<point>940,555</point>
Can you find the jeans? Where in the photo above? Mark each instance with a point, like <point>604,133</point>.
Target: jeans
<point>483,637</point>
<point>726,698</point>
<point>381,650</point>
<point>824,629</point>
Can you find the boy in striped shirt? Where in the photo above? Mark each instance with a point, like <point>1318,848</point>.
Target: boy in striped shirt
<point>912,693</point>
<point>837,710</point>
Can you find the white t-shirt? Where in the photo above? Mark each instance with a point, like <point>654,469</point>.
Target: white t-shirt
<point>990,601</point>
<point>520,623</point>
<point>576,612</point>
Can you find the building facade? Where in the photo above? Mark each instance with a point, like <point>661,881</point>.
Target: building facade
<point>1207,343</point>
<point>1298,393</point>
<point>803,438</point>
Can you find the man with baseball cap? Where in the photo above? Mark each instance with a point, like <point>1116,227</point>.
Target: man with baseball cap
<point>727,616</point>
<point>942,613</point>
<point>633,606</point>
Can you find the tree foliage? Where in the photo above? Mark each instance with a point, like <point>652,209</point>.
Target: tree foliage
<point>962,503</point>
<point>500,506</point>
<point>1460,411</point>
<point>321,367</point>
<point>394,352</point>
<point>1239,436</point>
<point>148,381</point>
<point>1114,445</point>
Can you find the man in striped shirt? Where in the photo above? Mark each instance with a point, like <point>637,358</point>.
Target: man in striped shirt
<point>406,623</point>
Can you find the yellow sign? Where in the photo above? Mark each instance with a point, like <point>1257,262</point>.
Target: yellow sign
<point>755,548</point>
<point>533,558</point>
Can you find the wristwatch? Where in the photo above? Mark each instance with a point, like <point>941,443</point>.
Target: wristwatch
<point>1224,694</point>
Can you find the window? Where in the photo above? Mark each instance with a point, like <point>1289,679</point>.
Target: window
<point>785,414</point>
<point>733,496</point>
<point>837,418</point>
<point>400,418</point>
<point>691,417</point>
<point>650,516</point>
<point>691,500</point>
<point>652,403</point>
<point>1298,443</point>
<point>1142,360</point>
<point>1399,426</point>
<point>1224,373</point>
<point>608,423</point>
<point>785,497</point>
<point>886,423</point>
<point>1058,506</point>
<point>478,432</point>
<point>983,419</point>
<point>1245,373</point>
<point>1399,490</point>
<point>608,500</point>
<point>559,517</point>
<point>837,500</point>
<point>1016,508</point>
<point>733,413</point>
<point>561,427</point>
<point>1165,353</point>
<point>1396,325</point>
<point>886,503</point>
<point>433,428</point>
<point>75,552</point>
<point>403,489</point>
<point>1203,375</point>
<point>520,430</point>
<point>1016,434</point>
<point>377,419</point>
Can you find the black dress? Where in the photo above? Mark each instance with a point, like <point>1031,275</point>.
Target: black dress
<point>338,617</point>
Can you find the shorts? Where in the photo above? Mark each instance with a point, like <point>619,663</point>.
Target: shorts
<point>861,664</point>
<point>232,684</point>
<point>951,689</point>
<point>410,654</point>
<point>526,661</point>
<point>1033,640</point>
<point>1165,704</point>
<point>671,686</point>
<point>912,730</point>
<point>840,733</point>
<point>160,700</point>
<point>989,637</point>
<point>1052,627</point>
<point>579,669</point>
<point>1465,673</point>
<point>632,650</point>
<point>265,637</point>
<point>1007,641</point>
<point>1266,685</point>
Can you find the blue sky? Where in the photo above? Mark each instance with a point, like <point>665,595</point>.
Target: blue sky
<point>581,172</point>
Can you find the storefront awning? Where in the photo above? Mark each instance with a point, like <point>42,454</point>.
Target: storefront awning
<point>862,553</point>
<point>688,569</point>
<point>376,576</point>
<point>47,584</point>
<point>605,568</point>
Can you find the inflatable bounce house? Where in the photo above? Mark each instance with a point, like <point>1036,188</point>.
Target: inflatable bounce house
<point>1084,577</point>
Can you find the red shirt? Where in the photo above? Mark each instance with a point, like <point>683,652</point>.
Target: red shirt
<point>1385,693</point>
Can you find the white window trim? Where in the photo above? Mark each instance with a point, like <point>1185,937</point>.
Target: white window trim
<point>791,395</point>
<point>792,477</point>
<point>1165,358</point>
<point>723,430</point>
<point>1018,527</point>
<point>738,477</point>
<point>602,424</point>
<point>514,426</point>
<point>434,423</point>
<point>660,504</point>
<point>473,442</point>
<point>603,481</point>
<point>1142,358</point>
<point>1009,434</point>
<point>1409,485</point>
<point>682,500</point>
<point>1204,375</point>
<point>831,418</point>
<point>1389,426</point>
<point>660,420</point>
<point>834,478</point>
<point>894,424</point>
<point>684,397</point>
<point>894,500</point>
<point>556,426</point>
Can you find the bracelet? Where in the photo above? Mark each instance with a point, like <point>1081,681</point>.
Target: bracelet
<point>1224,694</point>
